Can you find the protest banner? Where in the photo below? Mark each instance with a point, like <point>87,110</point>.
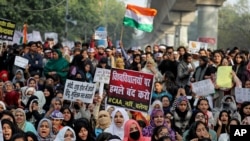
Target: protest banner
<point>79,90</point>
<point>224,77</point>
<point>194,47</point>
<point>203,88</point>
<point>21,62</point>
<point>130,89</point>
<point>7,29</point>
<point>242,94</point>
<point>102,75</point>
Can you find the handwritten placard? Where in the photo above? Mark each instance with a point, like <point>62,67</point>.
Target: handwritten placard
<point>102,75</point>
<point>79,90</point>
<point>21,62</point>
<point>100,35</point>
<point>130,89</point>
<point>203,88</point>
<point>194,46</point>
<point>224,77</point>
<point>242,94</point>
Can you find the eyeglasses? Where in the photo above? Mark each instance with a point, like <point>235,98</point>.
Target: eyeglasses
<point>199,116</point>
<point>163,134</point>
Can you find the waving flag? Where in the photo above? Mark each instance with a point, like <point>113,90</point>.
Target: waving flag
<point>139,17</point>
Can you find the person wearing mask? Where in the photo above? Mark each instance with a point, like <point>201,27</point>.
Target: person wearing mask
<point>132,132</point>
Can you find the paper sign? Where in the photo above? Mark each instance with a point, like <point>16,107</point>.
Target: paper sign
<point>203,88</point>
<point>224,77</point>
<point>79,90</point>
<point>100,35</point>
<point>7,29</point>
<point>17,36</point>
<point>102,75</point>
<point>194,47</point>
<point>52,35</point>
<point>21,62</point>
<point>130,89</point>
<point>242,94</point>
<point>36,36</point>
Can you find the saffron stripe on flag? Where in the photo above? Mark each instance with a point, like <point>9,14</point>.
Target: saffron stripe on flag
<point>139,18</point>
<point>142,10</point>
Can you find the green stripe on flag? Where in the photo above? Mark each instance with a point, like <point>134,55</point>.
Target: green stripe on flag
<point>132,23</point>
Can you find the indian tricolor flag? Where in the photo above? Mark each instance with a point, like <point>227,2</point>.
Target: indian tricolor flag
<point>139,17</point>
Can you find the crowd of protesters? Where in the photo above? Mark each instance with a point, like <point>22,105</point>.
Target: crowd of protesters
<point>32,107</point>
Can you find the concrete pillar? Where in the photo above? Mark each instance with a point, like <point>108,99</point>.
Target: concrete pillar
<point>208,21</point>
<point>170,39</point>
<point>181,21</point>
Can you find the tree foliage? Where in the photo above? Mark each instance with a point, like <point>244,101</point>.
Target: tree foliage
<point>234,25</point>
<point>49,16</point>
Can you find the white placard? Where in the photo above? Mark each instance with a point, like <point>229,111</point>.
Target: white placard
<point>79,90</point>
<point>17,37</point>
<point>194,47</point>
<point>52,35</point>
<point>203,88</point>
<point>242,94</point>
<point>21,62</point>
<point>102,75</point>
<point>36,36</point>
<point>101,35</point>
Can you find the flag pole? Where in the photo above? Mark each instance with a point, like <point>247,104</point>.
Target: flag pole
<point>121,33</point>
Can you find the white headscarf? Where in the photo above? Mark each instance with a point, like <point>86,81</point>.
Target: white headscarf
<point>1,103</point>
<point>61,133</point>
<point>156,102</point>
<point>113,129</point>
<point>41,98</point>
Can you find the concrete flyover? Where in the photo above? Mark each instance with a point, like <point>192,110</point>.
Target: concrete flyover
<point>174,16</point>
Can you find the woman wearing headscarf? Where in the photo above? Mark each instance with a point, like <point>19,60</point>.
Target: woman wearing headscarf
<point>2,106</point>
<point>182,113</point>
<point>29,92</point>
<point>8,130</point>
<point>4,75</point>
<point>34,113</point>
<point>151,67</point>
<point>83,130</point>
<point>68,116</point>
<point>103,122</point>
<point>57,66</point>
<point>22,124</point>
<point>119,118</point>
<point>49,95</point>
<point>11,96</point>
<point>19,76</point>
<point>66,134</point>
<point>44,130</point>
<point>156,119</point>
<point>132,132</point>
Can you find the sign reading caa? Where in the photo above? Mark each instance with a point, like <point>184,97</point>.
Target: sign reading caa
<point>239,132</point>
